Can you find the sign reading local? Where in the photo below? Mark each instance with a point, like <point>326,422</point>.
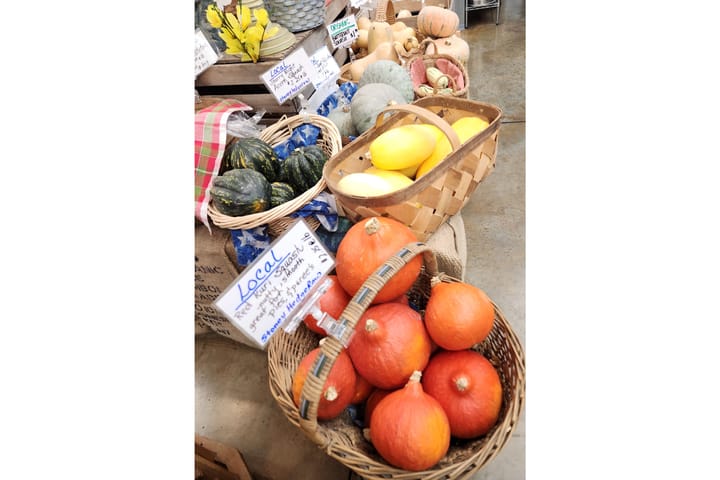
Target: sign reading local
<point>289,76</point>
<point>267,293</point>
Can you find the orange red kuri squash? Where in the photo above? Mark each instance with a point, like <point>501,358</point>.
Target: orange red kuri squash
<point>458,315</point>
<point>332,302</point>
<point>339,387</point>
<point>366,246</point>
<point>468,387</point>
<point>375,396</point>
<point>409,428</point>
<point>389,343</point>
<point>363,389</point>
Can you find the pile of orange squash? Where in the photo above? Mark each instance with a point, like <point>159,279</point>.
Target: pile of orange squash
<point>413,374</point>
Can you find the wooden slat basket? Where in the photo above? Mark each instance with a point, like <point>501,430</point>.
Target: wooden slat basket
<point>443,191</point>
<point>278,219</point>
<point>341,438</point>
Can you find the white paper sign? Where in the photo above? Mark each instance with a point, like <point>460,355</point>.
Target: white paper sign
<point>272,287</point>
<point>205,56</point>
<point>324,67</point>
<point>289,76</point>
<point>343,32</point>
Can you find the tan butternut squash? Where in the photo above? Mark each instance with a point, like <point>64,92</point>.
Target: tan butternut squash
<point>398,26</point>
<point>378,33</point>
<point>384,51</point>
<point>363,23</point>
<point>362,40</point>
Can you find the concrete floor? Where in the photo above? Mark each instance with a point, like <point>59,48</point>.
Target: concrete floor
<point>233,404</point>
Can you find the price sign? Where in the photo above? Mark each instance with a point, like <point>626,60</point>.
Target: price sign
<point>343,32</point>
<point>205,56</point>
<point>289,76</point>
<point>324,67</point>
<point>273,287</point>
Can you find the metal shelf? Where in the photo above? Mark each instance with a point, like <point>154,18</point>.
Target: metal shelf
<point>493,4</point>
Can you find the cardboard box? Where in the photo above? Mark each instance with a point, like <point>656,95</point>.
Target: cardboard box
<point>215,268</point>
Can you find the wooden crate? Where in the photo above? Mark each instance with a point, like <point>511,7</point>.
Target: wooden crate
<point>230,78</point>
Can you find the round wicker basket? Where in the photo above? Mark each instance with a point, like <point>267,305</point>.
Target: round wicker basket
<point>341,438</point>
<point>430,61</point>
<point>278,218</point>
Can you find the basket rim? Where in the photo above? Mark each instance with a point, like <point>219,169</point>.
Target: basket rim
<point>275,134</point>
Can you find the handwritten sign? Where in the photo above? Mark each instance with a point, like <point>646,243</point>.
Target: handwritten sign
<point>325,67</point>
<point>343,32</point>
<point>289,76</point>
<point>205,56</point>
<point>272,288</point>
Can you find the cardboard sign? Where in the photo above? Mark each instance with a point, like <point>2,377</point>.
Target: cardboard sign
<point>272,289</point>
<point>343,32</point>
<point>289,76</point>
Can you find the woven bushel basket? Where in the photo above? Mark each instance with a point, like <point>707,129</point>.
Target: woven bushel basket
<point>444,190</point>
<point>278,219</point>
<point>343,440</point>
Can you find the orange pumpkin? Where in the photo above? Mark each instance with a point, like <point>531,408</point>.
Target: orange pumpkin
<point>375,396</point>
<point>339,387</point>
<point>458,315</point>
<point>468,387</point>
<point>363,388</point>
<point>389,343</point>
<point>332,302</point>
<point>366,246</point>
<point>409,428</point>
<point>437,22</point>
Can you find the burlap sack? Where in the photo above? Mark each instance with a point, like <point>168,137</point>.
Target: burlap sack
<point>216,267</point>
<point>450,247</point>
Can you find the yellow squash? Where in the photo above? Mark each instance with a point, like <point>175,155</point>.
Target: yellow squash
<point>362,184</point>
<point>396,179</point>
<point>465,127</point>
<point>402,147</point>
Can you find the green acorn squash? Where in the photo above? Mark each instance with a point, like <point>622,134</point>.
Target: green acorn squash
<point>241,191</point>
<point>303,168</point>
<point>281,192</point>
<point>252,153</point>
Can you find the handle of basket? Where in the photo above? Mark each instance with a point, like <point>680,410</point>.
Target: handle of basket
<point>331,347</point>
<point>424,44</point>
<point>423,114</point>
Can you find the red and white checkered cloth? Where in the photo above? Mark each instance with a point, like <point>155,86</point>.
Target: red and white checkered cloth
<point>210,138</point>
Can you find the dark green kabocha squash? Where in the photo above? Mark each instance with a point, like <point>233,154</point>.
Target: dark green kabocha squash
<point>303,168</point>
<point>241,191</point>
<point>281,192</point>
<point>252,153</point>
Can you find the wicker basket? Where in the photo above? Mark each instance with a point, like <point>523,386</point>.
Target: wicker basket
<point>297,16</point>
<point>278,219</point>
<point>340,437</point>
<point>443,191</point>
<point>430,61</point>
